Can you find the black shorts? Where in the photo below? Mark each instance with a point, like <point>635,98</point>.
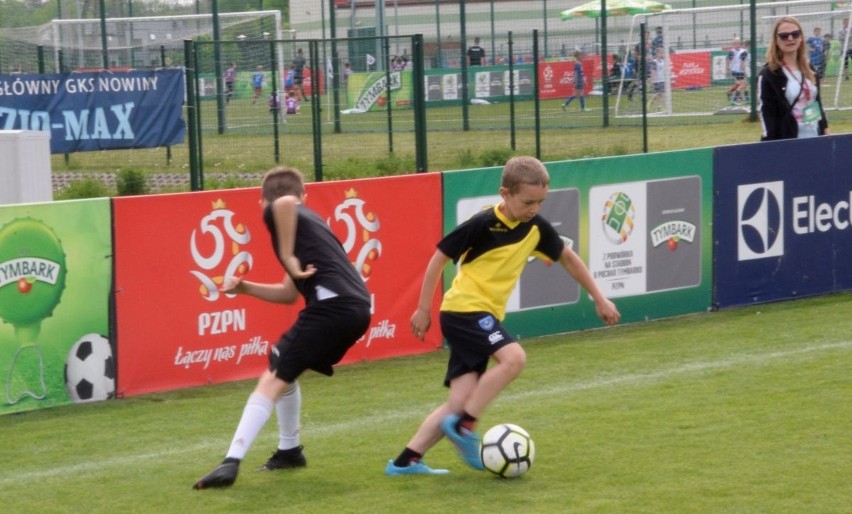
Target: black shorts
<point>473,338</point>
<point>738,75</point>
<point>320,337</point>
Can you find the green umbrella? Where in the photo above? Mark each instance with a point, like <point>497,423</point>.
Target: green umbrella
<point>614,8</point>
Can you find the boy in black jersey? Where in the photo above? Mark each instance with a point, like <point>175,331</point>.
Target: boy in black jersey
<point>316,267</point>
<point>491,248</point>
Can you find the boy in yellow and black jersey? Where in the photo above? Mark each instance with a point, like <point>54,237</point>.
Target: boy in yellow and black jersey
<point>491,248</point>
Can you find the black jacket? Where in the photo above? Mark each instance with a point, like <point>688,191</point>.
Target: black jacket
<point>776,113</point>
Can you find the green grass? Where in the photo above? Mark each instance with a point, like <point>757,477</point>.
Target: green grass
<point>739,411</point>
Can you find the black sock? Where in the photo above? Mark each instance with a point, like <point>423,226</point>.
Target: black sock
<point>407,457</point>
<point>229,460</point>
<point>466,421</point>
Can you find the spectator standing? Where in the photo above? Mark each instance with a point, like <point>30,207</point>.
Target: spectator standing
<point>790,106</point>
<point>476,54</point>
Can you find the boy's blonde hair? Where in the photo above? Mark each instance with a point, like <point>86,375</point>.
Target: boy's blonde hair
<point>524,170</point>
<point>282,181</point>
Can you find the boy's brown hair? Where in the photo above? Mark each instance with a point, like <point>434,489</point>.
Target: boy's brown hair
<point>282,181</point>
<point>524,170</point>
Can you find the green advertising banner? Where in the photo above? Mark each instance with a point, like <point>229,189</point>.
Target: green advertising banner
<point>368,91</point>
<point>55,273</point>
<point>641,223</point>
<point>487,84</point>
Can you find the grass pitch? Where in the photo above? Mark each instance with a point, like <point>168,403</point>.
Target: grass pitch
<point>739,411</point>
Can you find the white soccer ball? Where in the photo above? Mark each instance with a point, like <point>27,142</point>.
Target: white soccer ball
<point>90,370</point>
<point>507,450</point>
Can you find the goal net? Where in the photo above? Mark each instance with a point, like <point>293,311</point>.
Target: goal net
<point>699,61</point>
<point>130,43</point>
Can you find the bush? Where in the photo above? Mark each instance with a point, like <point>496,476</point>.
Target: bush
<point>465,159</point>
<point>495,157</point>
<point>85,188</point>
<point>131,182</point>
<point>228,182</point>
<point>394,165</point>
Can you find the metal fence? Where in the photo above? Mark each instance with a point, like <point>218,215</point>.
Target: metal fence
<point>361,106</point>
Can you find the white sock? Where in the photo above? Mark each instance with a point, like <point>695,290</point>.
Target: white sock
<point>255,415</point>
<point>288,408</point>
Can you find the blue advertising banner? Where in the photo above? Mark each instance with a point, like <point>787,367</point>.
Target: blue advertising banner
<point>782,220</point>
<point>96,111</point>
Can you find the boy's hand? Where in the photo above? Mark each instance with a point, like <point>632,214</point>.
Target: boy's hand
<point>607,311</point>
<point>420,322</point>
<point>294,268</point>
<point>232,285</point>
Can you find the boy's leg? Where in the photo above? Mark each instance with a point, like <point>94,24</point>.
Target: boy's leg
<point>510,361</point>
<point>430,431</point>
<point>288,411</point>
<point>256,413</point>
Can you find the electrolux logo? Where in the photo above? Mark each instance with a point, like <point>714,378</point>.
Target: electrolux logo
<point>760,220</point>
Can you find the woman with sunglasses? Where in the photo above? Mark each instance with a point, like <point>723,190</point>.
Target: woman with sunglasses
<point>788,88</point>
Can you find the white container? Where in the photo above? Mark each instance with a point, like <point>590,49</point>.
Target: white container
<point>25,174</point>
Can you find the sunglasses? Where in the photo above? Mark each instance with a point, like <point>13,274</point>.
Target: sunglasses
<point>784,36</point>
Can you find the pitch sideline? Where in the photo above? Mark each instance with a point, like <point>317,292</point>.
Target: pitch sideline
<point>336,428</point>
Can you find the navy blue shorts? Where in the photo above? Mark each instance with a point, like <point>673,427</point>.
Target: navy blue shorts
<point>320,337</point>
<point>473,338</point>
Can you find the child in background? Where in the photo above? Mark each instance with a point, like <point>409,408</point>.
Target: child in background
<point>274,104</point>
<point>257,79</point>
<point>579,83</point>
<point>658,74</point>
<point>292,103</point>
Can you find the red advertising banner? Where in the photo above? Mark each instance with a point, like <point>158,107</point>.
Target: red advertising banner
<point>389,228</point>
<point>691,70</point>
<point>174,329</point>
<point>556,79</point>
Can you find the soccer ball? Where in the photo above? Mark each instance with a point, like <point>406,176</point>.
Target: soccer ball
<point>507,450</point>
<point>90,370</point>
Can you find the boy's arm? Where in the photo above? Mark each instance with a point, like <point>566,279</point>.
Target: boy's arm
<point>575,267</point>
<point>422,317</point>
<point>284,212</point>
<point>285,292</point>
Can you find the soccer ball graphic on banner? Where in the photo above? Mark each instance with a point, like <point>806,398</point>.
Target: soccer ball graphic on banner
<point>90,370</point>
<point>507,450</point>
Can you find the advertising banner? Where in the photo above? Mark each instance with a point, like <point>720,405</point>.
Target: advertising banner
<point>691,70</point>
<point>55,282</point>
<point>641,223</point>
<point>369,91</point>
<point>783,217</point>
<point>96,111</point>
<point>489,83</point>
<point>175,329</point>
<point>556,79</point>
<point>389,227</point>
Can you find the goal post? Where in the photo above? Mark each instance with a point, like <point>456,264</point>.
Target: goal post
<point>133,43</point>
<point>698,46</point>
